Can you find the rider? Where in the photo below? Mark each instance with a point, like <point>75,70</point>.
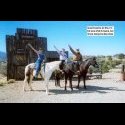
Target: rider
<point>77,57</point>
<point>63,57</point>
<point>40,59</point>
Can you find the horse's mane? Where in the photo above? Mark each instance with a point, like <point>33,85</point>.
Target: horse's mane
<point>87,59</point>
<point>90,58</point>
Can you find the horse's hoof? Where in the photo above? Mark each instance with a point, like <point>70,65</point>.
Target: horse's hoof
<point>85,88</point>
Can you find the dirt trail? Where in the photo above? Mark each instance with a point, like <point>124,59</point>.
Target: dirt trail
<point>109,89</point>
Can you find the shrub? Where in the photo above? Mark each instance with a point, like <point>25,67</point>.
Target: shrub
<point>11,81</point>
<point>3,82</point>
<point>3,68</point>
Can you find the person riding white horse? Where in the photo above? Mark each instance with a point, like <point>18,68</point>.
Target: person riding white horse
<point>40,60</point>
<point>49,69</point>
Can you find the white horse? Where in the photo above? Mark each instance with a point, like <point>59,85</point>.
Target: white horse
<point>49,69</point>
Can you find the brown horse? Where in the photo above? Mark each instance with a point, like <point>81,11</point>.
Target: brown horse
<point>71,68</point>
<point>84,66</point>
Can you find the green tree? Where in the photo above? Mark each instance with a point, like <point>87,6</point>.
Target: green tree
<point>109,58</point>
<point>121,56</point>
<point>105,68</point>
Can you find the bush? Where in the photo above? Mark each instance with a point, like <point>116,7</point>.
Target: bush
<point>3,68</point>
<point>106,65</point>
<point>105,68</point>
<point>3,82</point>
<point>11,81</point>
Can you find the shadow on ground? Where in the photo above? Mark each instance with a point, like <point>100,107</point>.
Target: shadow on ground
<point>90,89</point>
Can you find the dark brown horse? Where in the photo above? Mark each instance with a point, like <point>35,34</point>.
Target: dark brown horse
<point>84,66</point>
<point>71,68</point>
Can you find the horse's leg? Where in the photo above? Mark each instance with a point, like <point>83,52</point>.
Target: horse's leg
<point>30,82</point>
<point>70,80</point>
<point>59,82</point>
<point>79,77</point>
<point>46,84</point>
<point>46,80</point>
<point>25,82</point>
<point>47,89</point>
<point>66,81</point>
<point>55,81</point>
<point>84,80</point>
<point>27,77</point>
<point>47,77</point>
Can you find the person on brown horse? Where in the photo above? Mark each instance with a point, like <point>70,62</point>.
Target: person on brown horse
<point>77,57</point>
<point>63,58</point>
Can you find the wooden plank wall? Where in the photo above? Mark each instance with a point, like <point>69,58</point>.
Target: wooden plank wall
<point>19,55</point>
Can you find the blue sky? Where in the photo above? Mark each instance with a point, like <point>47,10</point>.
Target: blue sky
<point>62,33</point>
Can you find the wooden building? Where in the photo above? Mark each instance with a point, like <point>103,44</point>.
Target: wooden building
<point>19,54</point>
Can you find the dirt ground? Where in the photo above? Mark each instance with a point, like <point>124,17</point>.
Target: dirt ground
<point>109,89</point>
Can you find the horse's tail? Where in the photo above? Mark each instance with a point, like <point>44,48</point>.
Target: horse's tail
<point>28,73</point>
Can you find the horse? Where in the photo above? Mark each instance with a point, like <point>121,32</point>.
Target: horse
<point>46,73</point>
<point>84,66</point>
<point>71,68</point>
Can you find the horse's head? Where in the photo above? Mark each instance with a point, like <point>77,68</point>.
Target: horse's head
<point>93,62</point>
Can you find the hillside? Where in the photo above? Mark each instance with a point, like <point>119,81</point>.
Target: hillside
<point>2,56</point>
